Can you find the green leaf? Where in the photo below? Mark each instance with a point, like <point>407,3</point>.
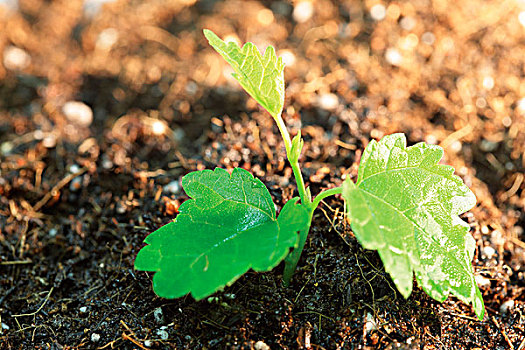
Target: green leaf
<point>406,206</point>
<point>297,148</point>
<point>228,227</point>
<point>261,76</point>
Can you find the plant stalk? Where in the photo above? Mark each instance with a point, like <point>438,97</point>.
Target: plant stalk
<point>292,259</point>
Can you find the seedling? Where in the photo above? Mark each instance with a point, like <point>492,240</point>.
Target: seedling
<point>404,205</point>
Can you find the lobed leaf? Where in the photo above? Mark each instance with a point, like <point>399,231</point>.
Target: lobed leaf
<point>228,227</point>
<point>406,206</point>
<point>261,76</point>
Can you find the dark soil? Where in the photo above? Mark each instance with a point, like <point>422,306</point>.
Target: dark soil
<point>78,196</point>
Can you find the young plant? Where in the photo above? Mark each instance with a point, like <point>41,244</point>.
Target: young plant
<point>404,205</point>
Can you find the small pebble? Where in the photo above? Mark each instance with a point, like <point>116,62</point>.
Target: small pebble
<point>78,113</point>
<point>407,23</point>
<point>260,345</point>
<point>370,324</point>
<point>328,101</point>
<point>482,282</point>
<point>288,57</point>
<point>95,337</point>
<point>4,326</point>
<point>303,11</point>
<point>16,58</point>
<point>157,314</point>
<point>506,306</point>
<point>147,343</point>
<point>393,57</point>
<point>53,232</point>
<point>173,187</point>
<point>76,184</point>
<point>378,12</point>
<point>83,309</point>
<point>489,251</point>
<point>162,334</point>
<point>74,169</point>
<point>106,39</point>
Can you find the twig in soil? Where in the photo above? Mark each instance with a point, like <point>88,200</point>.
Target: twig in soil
<point>502,330</point>
<point>57,188</point>
<point>41,306</point>
<point>522,345</point>
<point>127,337</point>
<point>16,262</point>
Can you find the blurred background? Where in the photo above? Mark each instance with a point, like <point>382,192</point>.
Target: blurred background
<point>105,104</point>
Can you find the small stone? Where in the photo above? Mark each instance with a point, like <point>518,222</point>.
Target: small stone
<point>74,169</point>
<point>4,326</point>
<point>489,252</point>
<point>53,232</point>
<point>482,282</point>
<point>173,187</point>
<point>260,345</point>
<point>148,343</point>
<point>16,58</point>
<point>506,306</point>
<point>393,57</point>
<point>95,337</point>
<point>83,309</point>
<point>106,39</point>
<point>303,11</point>
<point>76,184</point>
<point>328,101</point>
<point>370,324</point>
<point>378,12</point>
<point>157,314</point>
<point>78,113</point>
<point>488,146</point>
<point>162,334</point>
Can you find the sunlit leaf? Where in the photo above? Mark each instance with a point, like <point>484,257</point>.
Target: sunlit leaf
<point>406,206</point>
<point>261,76</point>
<point>228,227</point>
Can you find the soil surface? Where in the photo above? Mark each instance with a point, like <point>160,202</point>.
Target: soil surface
<point>105,105</point>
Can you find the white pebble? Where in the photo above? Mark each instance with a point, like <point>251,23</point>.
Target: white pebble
<point>393,57</point>
<point>521,105</point>
<point>506,306</point>
<point>288,57</point>
<point>83,309</point>
<point>407,23</point>
<point>106,39</point>
<point>521,18</point>
<point>482,282</point>
<point>489,251</point>
<point>370,324</point>
<point>53,232</point>
<point>456,146</point>
<point>378,12</point>
<point>328,101</point>
<point>488,82</point>
<point>260,345</point>
<point>147,343</point>
<point>428,38</point>
<point>173,187</point>
<point>74,169</point>
<point>78,113</point>
<point>162,334</point>
<point>16,58</point>
<point>4,326</point>
<point>157,314</point>
<point>95,337</point>
<point>303,11</point>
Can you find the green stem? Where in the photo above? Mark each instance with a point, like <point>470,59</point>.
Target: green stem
<point>293,258</point>
<point>324,194</point>
<point>295,165</point>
